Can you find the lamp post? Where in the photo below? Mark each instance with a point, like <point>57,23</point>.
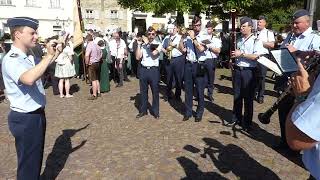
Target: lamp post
<point>65,22</point>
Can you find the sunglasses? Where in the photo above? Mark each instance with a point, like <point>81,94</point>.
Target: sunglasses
<point>197,25</point>
<point>152,34</point>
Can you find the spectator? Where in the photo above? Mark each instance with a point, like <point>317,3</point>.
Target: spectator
<point>65,69</point>
<point>92,59</point>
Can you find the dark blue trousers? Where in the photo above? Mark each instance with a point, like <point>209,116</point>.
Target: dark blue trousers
<point>28,130</point>
<point>149,77</point>
<point>244,83</point>
<point>261,78</point>
<point>191,79</point>
<point>210,64</point>
<point>174,71</point>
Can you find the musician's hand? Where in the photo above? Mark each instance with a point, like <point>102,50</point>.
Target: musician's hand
<point>139,42</point>
<point>230,65</point>
<point>299,81</point>
<point>145,39</point>
<point>191,34</point>
<point>291,48</point>
<point>305,54</point>
<point>236,53</point>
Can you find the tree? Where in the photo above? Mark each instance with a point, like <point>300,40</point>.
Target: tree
<point>277,11</point>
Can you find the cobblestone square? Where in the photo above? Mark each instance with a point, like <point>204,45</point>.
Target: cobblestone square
<point>102,139</point>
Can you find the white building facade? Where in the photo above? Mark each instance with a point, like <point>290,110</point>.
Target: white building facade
<point>53,15</point>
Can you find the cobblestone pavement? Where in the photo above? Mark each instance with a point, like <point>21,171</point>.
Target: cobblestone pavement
<point>102,140</point>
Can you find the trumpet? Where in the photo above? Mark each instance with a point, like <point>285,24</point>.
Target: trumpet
<point>169,51</point>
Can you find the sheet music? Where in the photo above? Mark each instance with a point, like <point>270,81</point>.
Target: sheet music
<point>285,60</point>
<point>269,64</point>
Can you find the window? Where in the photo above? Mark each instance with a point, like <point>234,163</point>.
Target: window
<point>55,3</point>
<point>5,2</point>
<point>89,14</point>
<point>31,3</point>
<point>114,14</point>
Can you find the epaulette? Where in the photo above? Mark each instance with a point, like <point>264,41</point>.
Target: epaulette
<point>14,55</point>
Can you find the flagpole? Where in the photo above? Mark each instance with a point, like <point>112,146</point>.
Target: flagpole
<point>82,45</point>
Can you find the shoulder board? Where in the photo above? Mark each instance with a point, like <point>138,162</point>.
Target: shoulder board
<point>315,32</point>
<point>14,55</point>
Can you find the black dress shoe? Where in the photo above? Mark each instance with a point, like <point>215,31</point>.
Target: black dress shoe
<point>157,117</point>
<point>198,119</point>
<point>127,80</point>
<point>119,85</point>
<point>186,118</point>
<point>260,100</point>
<point>141,115</point>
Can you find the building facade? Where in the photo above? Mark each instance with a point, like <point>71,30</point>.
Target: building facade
<point>53,15</point>
<point>104,15</point>
<point>107,15</point>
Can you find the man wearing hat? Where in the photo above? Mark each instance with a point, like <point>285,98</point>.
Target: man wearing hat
<point>299,42</point>
<point>267,38</point>
<point>212,53</point>
<point>244,81</point>
<point>22,79</point>
<point>175,61</point>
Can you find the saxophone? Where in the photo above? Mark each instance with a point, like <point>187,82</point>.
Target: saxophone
<point>169,49</point>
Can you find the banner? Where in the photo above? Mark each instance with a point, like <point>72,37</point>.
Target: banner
<point>77,24</point>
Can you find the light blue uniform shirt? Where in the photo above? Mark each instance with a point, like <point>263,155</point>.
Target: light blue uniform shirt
<point>148,59</point>
<point>308,40</point>
<point>191,55</point>
<point>306,118</point>
<point>249,46</point>
<point>215,43</point>
<point>175,39</point>
<point>23,98</point>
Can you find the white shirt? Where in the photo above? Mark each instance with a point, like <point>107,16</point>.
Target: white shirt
<point>304,42</point>
<point>148,59</point>
<point>306,118</point>
<point>265,36</point>
<point>117,50</point>
<point>191,55</point>
<point>250,45</point>
<point>23,98</point>
<point>215,43</point>
<point>175,39</point>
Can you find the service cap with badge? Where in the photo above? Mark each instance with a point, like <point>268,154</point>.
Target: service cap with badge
<point>23,21</point>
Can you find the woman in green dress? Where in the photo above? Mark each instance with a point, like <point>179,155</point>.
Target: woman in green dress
<point>104,71</point>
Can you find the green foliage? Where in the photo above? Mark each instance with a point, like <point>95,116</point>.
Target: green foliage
<point>277,11</point>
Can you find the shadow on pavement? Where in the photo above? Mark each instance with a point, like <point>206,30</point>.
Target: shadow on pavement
<point>269,140</point>
<point>61,150</point>
<point>175,104</point>
<point>226,158</point>
<point>224,114</point>
<point>74,88</point>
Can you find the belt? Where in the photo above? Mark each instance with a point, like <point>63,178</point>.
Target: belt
<point>191,62</point>
<point>177,56</point>
<point>38,111</point>
<point>243,68</point>
<point>150,67</point>
<point>212,59</point>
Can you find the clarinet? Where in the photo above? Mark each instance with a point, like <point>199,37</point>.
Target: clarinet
<point>264,118</point>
